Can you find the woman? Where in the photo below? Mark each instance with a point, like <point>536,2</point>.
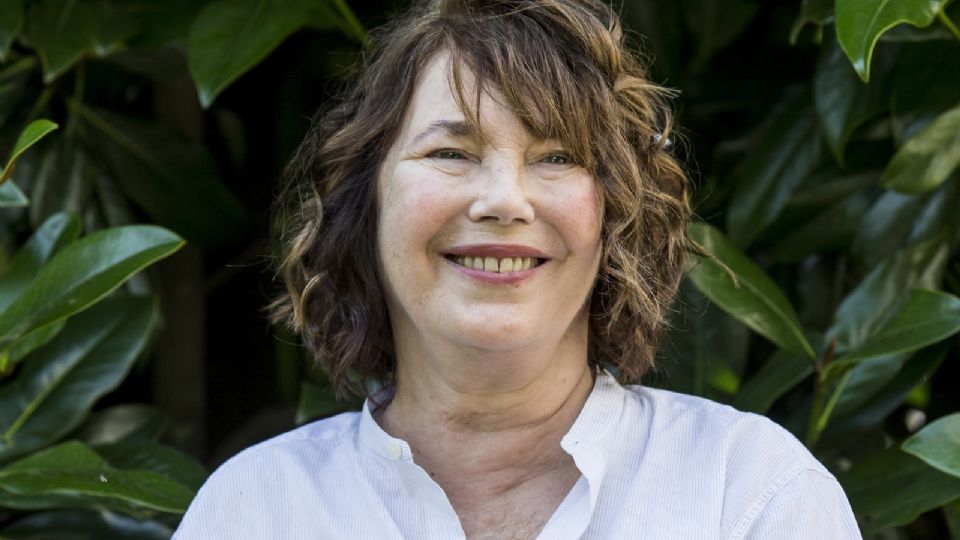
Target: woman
<point>488,225</point>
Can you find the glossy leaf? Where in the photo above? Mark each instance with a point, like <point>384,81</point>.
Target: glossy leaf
<point>83,273</point>
<point>832,230</point>
<point>938,444</point>
<point>871,303</point>
<point>860,23</point>
<point>11,196</point>
<point>63,31</point>
<point>72,474</point>
<point>786,152</point>
<point>843,101</point>
<point>816,12</point>
<point>35,131</point>
<point>231,36</point>
<point>926,317</point>
<point>160,459</point>
<point>780,373</point>
<point>33,340</point>
<point>85,525</point>
<point>174,179</point>
<point>918,488</point>
<point>59,230</point>
<point>11,19</point>
<point>56,388</point>
<point>927,159</point>
<point>926,84</point>
<point>131,422</point>
<point>751,296</point>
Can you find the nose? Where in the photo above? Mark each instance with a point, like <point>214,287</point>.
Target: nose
<point>502,196</point>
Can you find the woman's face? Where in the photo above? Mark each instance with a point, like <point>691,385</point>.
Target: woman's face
<point>488,241</point>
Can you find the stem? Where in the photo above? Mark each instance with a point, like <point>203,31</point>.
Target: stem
<point>352,23</point>
<point>825,399</point>
<point>948,23</point>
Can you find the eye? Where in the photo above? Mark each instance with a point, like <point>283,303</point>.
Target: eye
<point>557,159</point>
<point>446,153</point>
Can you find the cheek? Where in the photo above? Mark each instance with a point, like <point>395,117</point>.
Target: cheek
<point>413,209</point>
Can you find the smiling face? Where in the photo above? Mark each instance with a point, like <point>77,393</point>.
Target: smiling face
<point>490,241</point>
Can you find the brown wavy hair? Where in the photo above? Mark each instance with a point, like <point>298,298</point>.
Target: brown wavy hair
<point>565,70</point>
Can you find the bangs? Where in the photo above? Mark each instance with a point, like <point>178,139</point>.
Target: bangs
<point>545,77</point>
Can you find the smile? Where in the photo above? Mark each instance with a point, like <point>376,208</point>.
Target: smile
<point>499,265</point>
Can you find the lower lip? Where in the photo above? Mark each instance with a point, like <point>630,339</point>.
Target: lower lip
<point>508,278</point>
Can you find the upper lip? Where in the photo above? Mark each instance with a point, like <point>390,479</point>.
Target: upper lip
<point>496,250</point>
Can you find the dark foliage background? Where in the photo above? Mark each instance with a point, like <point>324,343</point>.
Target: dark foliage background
<point>131,362</point>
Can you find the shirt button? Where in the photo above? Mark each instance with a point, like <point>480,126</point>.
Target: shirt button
<point>394,450</point>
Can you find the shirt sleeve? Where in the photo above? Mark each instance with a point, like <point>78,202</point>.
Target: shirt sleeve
<point>810,505</point>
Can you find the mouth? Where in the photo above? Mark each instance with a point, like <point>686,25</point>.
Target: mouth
<point>497,265</point>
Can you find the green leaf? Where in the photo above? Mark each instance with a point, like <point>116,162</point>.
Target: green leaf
<point>714,24</point>
<point>131,422</point>
<point>55,233</point>
<point>11,196</point>
<point>61,381</point>
<point>938,444</point>
<point>316,402</point>
<point>871,483</point>
<point>873,301</point>
<point>11,17</point>
<point>926,83</point>
<point>160,459</point>
<point>927,159</point>
<point>951,514</point>
<point>776,377</point>
<point>705,349</point>
<point>34,340</point>
<point>752,298</point>
<point>84,525</point>
<point>860,23</point>
<point>786,152</point>
<point>73,474</point>
<point>85,272</point>
<point>830,231</point>
<point>174,179</point>
<point>816,12</point>
<point>231,36</point>
<point>843,101</point>
<point>35,131</point>
<point>63,31</point>
<point>926,317</point>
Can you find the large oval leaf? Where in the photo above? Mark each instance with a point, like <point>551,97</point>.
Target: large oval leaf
<point>938,444</point>
<point>749,295</point>
<point>918,488</point>
<point>147,456</point>
<point>928,159</point>
<point>57,231</point>
<point>861,22</point>
<point>72,474</point>
<point>85,525</point>
<point>926,317</point>
<point>84,272</point>
<point>61,381</point>
<point>787,150</point>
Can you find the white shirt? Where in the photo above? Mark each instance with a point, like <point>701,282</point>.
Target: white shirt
<point>654,464</point>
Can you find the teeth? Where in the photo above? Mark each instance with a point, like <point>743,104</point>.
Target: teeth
<point>492,264</point>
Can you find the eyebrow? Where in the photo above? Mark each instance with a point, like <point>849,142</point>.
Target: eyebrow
<point>454,128</point>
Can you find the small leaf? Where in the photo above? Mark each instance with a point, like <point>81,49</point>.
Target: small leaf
<point>754,299</point>
<point>938,444</point>
<point>860,23</point>
<point>780,373</point>
<point>59,230</point>
<point>231,36</point>
<point>11,196</point>
<point>35,131</point>
<point>11,18</point>
<point>927,159</point>
<point>83,273</point>
<point>73,474</point>
<point>918,488</point>
<point>132,422</point>
<point>786,152</point>
<point>926,317</point>
<point>61,381</point>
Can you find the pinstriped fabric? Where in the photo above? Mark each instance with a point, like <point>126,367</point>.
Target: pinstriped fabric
<point>654,464</point>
